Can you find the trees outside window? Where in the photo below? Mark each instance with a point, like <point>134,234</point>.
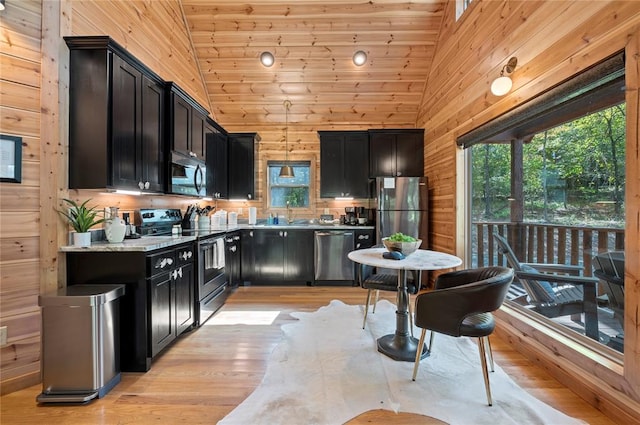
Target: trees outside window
<point>573,178</point>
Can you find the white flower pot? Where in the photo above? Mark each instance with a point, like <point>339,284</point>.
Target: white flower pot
<point>82,239</point>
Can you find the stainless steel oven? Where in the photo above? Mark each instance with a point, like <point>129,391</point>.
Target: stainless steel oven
<point>213,285</point>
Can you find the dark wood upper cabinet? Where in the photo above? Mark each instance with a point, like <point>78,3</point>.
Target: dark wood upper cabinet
<point>243,153</point>
<point>116,118</point>
<point>186,122</point>
<point>344,164</point>
<point>217,160</point>
<point>396,153</point>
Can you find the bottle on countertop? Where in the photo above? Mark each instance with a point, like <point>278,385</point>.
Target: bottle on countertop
<point>127,229</point>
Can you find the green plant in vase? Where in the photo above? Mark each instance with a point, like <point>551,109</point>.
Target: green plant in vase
<point>81,218</point>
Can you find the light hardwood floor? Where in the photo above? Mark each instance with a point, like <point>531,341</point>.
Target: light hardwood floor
<point>207,372</point>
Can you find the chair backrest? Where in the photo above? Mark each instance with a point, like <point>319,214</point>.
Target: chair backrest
<point>461,294</point>
<point>609,268</point>
<point>538,291</point>
<point>505,249</point>
<point>610,264</point>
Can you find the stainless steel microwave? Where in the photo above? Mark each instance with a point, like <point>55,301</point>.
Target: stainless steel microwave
<point>187,176</point>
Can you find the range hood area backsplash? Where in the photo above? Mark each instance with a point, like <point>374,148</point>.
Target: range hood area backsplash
<point>130,203</point>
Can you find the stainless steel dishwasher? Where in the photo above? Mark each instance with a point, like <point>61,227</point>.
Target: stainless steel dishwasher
<point>331,262</point>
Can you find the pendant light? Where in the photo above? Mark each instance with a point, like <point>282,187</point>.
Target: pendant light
<point>286,171</point>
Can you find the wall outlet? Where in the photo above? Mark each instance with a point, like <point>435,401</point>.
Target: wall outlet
<point>3,335</point>
<point>326,211</point>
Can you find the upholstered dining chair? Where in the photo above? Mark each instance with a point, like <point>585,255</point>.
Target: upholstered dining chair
<point>555,290</point>
<point>461,305</point>
<point>372,281</point>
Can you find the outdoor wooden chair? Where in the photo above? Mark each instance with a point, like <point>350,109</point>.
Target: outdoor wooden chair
<point>609,268</point>
<point>555,290</point>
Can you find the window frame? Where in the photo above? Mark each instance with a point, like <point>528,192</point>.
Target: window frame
<point>559,102</point>
<point>312,160</point>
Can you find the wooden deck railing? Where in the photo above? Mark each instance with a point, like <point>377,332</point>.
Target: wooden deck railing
<point>544,243</point>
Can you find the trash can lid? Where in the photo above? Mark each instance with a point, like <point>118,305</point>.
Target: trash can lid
<point>82,295</point>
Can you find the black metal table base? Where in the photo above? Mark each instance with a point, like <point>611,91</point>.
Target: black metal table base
<point>401,348</point>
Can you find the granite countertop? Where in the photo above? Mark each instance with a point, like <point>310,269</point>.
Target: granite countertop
<point>151,243</point>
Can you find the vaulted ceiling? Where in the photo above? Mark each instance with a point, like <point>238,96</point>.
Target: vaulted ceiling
<point>313,42</point>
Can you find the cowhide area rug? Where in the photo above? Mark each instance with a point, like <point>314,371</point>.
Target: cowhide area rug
<point>327,371</point>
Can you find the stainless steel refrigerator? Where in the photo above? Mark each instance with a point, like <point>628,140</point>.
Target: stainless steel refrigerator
<point>402,206</point>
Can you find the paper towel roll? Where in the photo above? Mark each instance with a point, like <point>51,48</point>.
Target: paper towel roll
<point>253,213</point>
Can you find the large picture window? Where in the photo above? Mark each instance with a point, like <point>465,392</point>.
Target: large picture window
<point>548,178</point>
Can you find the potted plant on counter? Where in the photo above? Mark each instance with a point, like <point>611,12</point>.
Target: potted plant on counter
<point>82,218</point>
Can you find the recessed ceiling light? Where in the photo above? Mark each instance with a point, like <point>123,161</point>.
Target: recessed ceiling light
<point>267,59</point>
<point>359,58</point>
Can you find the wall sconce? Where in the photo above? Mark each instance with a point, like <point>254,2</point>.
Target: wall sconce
<point>267,59</point>
<point>2,5</point>
<point>359,58</point>
<point>286,170</point>
<point>503,83</point>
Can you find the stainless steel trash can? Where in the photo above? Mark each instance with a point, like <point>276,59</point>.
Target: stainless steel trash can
<point>80,343</point>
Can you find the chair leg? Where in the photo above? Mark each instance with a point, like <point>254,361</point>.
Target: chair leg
<point>366,308</point>
<point>410,317</point>
<point>430,346</point>
<point>418,353</point>
<point>490,353</point>
<point>376,301</point>
<point>485,371</point>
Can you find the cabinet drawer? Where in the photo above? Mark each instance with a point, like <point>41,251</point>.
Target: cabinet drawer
<point>160,262</point>
<point>185,254</point>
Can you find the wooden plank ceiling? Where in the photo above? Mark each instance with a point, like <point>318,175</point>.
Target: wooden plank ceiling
<point>313,42</point>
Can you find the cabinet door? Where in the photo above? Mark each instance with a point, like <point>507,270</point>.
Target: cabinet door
<point>364,238</point>
<point>269,255</point>
<point>410,154</point>
<point>185,297</point>
<point>298,255</point>
<point>247,256</point>
<point>241,167</point>
<point>181,125</point>
<point>382,155</point>
<point>125,119</point>
<point>162,320</point>
<point>332,182</point>
<point>198,145</point>
<point>217,157</point>
<point>232,258</point>
<point>152,140</point>
<point>356,164</point>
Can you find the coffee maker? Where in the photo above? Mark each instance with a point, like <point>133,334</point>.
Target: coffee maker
<point>362,216</point>
<point>350,216</point>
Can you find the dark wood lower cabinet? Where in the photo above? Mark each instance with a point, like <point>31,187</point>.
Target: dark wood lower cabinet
<point>159,301</point>
<point>277,256</point>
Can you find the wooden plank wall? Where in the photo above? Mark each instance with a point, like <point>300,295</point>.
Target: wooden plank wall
<point>552,41</point>
<point>20,202</point>
<point>155,33</point>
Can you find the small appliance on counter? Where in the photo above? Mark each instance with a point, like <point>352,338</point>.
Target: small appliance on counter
<point>356,216</point>
<point>362,216</point>
<point>350,216</point>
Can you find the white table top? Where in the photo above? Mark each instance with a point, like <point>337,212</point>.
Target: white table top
<point>419,260</point>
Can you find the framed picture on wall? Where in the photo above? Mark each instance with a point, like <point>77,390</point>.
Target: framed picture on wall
<point>10,159</point>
